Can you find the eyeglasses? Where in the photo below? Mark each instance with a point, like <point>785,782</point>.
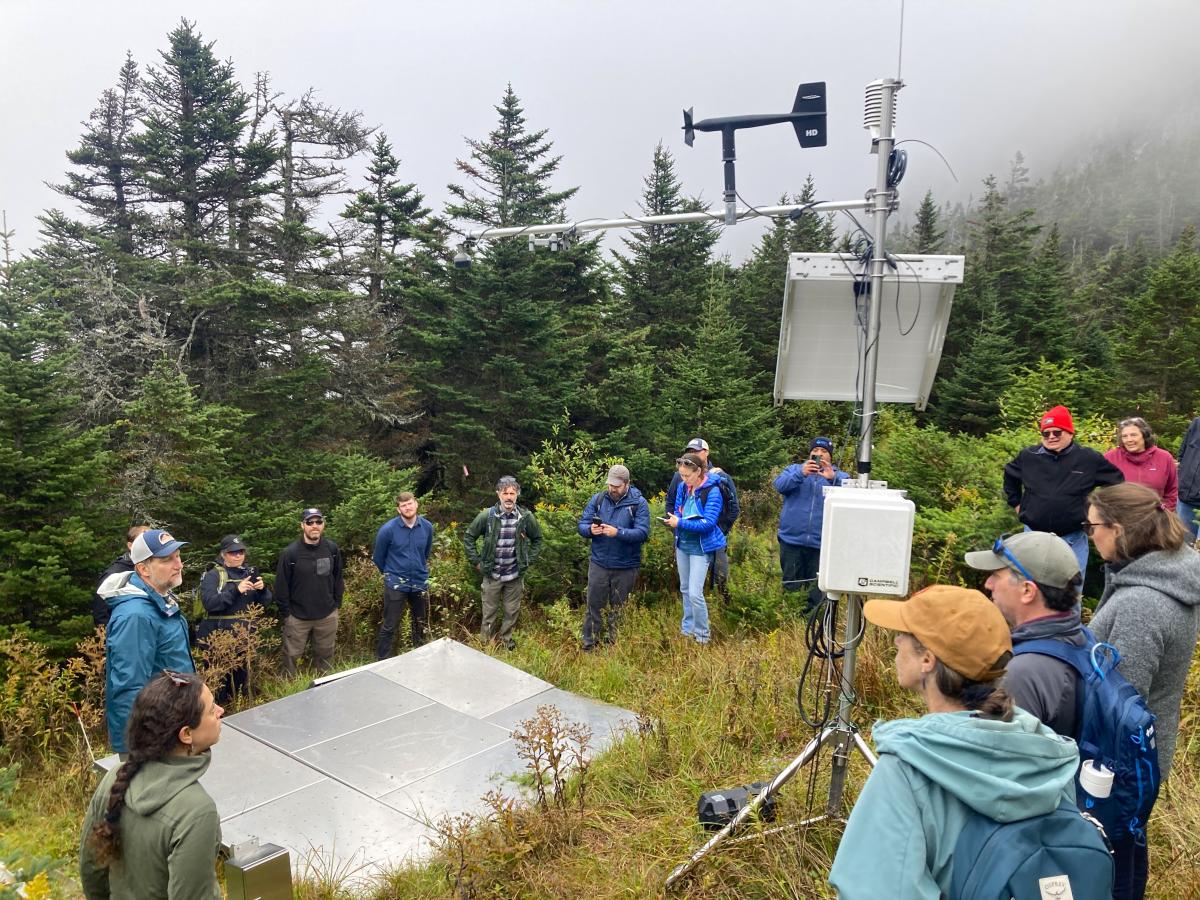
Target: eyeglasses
<point>1052,433</point>
<point>1089,527</point>
<point>314,521</point>
<point>176,677</point>
<point>1000,549</point>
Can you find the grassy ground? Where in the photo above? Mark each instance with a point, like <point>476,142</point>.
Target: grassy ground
<point>711,717</point>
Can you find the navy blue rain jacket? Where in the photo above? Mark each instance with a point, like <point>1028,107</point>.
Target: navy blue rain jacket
<point>631,517</point>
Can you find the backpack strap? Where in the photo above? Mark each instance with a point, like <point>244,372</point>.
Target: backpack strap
<point>1087,660</point>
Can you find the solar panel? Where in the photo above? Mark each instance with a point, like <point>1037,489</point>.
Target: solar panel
<point>351,774</point>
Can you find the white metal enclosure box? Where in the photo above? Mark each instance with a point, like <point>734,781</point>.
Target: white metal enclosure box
<point>866,541</point>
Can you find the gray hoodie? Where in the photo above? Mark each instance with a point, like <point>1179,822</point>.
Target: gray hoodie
<point>1150,611</point>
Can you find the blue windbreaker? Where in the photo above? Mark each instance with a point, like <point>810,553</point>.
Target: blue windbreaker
<point>711,537</point>
<point>803,510</point>
<point>631,517</point>
<point>146,634</point>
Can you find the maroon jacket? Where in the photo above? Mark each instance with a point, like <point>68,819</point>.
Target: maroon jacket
<point>1154,467</point>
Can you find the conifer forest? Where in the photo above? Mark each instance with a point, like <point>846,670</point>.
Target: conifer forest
<point>191,344</point>
<point>241,306</point>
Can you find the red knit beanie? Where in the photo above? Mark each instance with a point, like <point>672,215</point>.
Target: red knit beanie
<point>1057,417</point>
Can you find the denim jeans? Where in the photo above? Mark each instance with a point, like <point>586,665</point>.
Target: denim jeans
<point>1187,512</point>
<point>692,571</point>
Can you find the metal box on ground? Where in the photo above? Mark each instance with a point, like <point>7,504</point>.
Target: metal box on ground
<point>259,872</point>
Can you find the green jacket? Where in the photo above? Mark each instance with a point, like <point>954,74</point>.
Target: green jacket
<point>170,834</point>
<point>487,524</point>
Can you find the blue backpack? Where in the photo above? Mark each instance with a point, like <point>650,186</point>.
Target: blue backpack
<point>1057,855</point>
<point>1116,728</point>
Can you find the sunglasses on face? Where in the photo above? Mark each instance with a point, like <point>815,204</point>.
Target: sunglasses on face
<point>1000,549</point>
<point>1090,527</point>
<point>314,521</point>
<point>1052,433</point>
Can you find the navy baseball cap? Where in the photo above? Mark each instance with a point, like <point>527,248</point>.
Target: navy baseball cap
<point>155,542</point>
<point>823,443</point>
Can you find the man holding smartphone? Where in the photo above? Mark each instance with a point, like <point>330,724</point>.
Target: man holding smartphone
<point>617,522</point>
<point>803,488</point>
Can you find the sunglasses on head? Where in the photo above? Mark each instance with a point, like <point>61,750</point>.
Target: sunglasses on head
<point>177,677</point>
<point>1052,433</point>
<point>1000,549</point>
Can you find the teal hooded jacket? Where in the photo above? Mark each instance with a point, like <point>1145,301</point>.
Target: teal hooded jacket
<point>932,771</point>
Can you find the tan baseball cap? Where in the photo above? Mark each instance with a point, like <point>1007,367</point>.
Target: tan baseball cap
<point>961,626</point>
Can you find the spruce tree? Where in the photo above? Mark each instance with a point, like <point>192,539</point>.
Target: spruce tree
<point>1157,349</point>
<point>391,217</point>
<point>107,185</point>
<point>969,388</point>
<point>498,351</point>
<point>710,388</point>
<point>666,266</point>
<point>53,476</point>
<point>927,235</point>
<point>757,300</point>
<point>510,171</point>
<point>193,156</point>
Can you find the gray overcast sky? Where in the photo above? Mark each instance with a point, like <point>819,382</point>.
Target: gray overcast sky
<point>608,79</point>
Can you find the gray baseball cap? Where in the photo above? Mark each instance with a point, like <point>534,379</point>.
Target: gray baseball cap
<point>1046,558</point>
<point>618,474</point>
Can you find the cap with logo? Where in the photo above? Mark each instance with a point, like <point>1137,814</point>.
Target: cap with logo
<point>311,512</point>
<point>232,542</point>
<point>1057,417</point>
<point>960,626</point>
<point>1047,558</point>
<point>697,444</point>
<point>155,542</point>
<point>822,443</point>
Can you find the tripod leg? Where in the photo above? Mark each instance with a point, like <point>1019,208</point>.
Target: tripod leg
<point>750,808</point>
<point>865,750</point>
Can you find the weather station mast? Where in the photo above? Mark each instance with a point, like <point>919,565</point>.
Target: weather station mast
<point>837,299</point>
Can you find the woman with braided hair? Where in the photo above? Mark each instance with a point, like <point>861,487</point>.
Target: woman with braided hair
<point>151,830</point>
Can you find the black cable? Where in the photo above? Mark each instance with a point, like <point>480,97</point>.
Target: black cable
<point>893,260</point>
<point>897,166</point>
<point>931,147</point>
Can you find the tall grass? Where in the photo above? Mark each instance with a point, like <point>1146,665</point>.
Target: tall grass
<point>709,717</point>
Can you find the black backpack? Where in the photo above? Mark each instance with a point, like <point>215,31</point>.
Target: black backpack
<point>729,502</point>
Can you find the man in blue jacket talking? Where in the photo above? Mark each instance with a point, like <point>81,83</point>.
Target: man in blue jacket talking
<point>802,486</point>
<point>617,522</point>
<point>402,549</point>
